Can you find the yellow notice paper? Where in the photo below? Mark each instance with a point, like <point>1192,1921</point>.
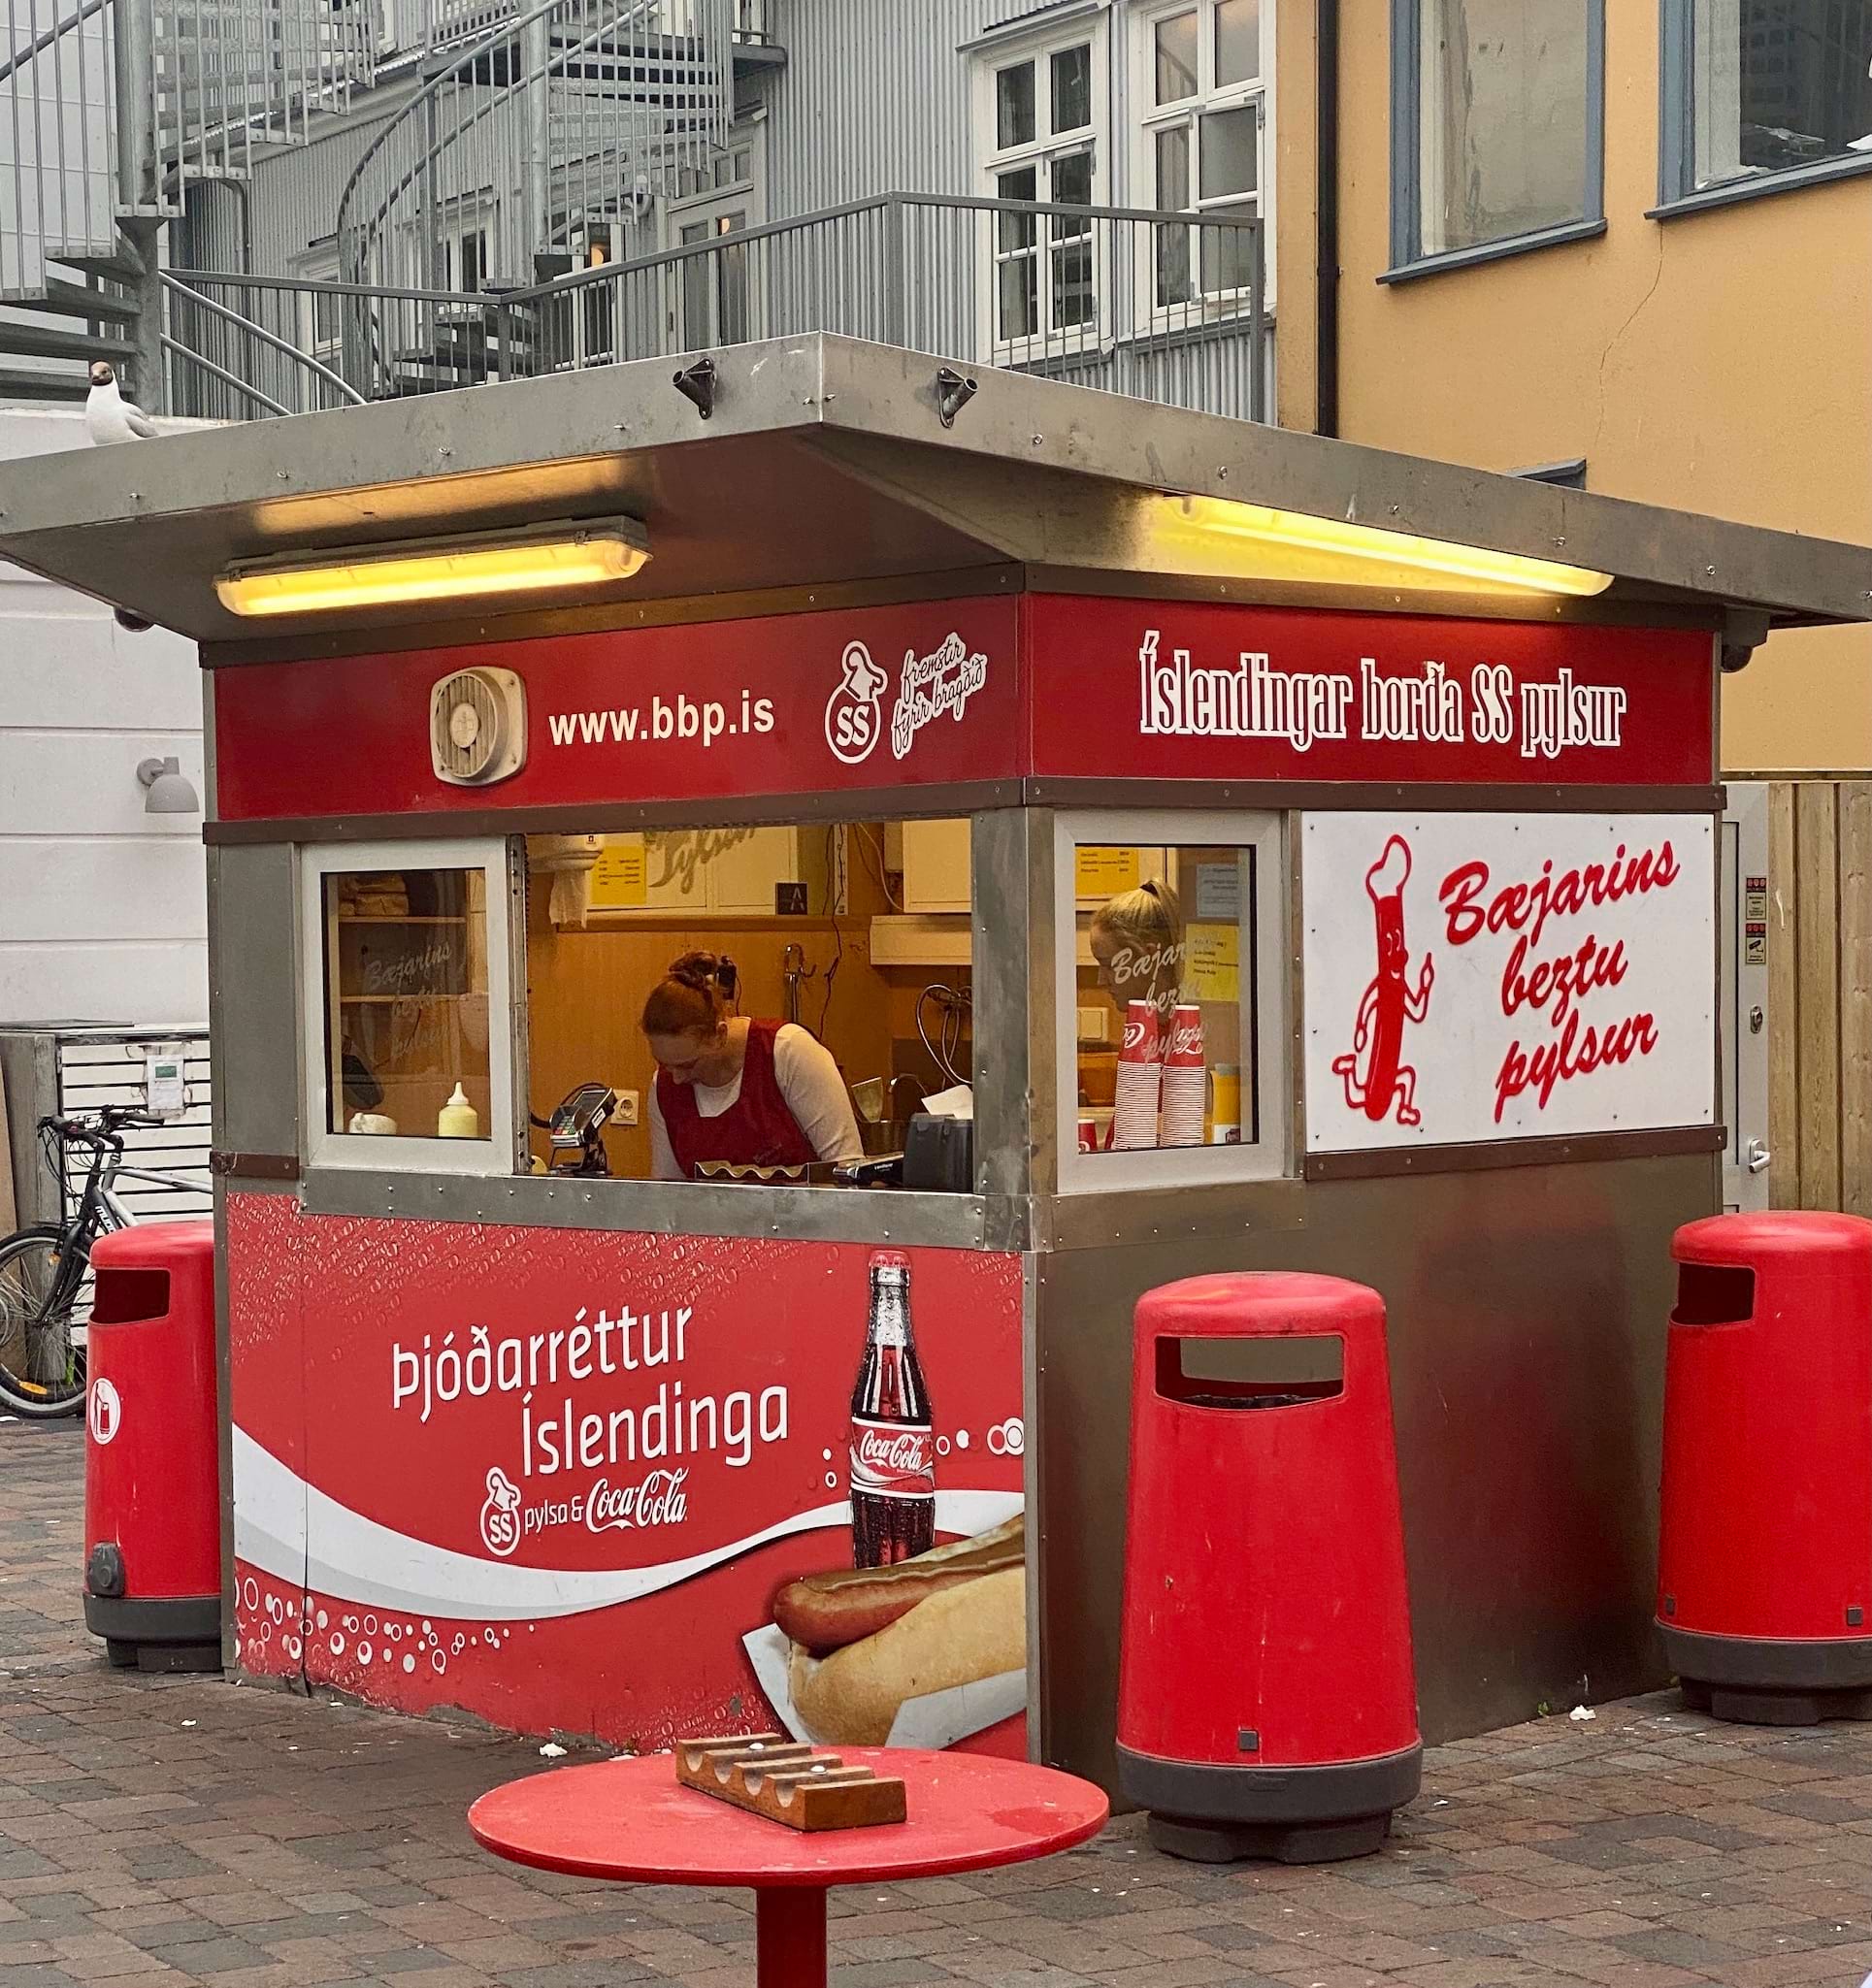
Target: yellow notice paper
<point>1101,872</point>
<point>1215,962</point>
<point>618,880</point>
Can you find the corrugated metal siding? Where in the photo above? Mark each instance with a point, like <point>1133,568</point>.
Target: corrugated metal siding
<point>874,98</point>
<point>295,193</point>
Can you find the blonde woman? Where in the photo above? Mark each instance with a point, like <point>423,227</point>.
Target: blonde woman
<point>1137,941</point>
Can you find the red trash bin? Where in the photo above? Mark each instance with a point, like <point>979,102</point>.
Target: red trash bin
<point>1764,1553</point>
<point>1267,1701</point>
<point>153,1486</point>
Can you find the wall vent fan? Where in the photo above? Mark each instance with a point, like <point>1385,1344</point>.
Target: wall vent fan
<point>478,727</point>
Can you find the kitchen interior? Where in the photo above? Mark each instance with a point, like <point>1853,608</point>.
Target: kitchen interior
<point>859,931</point>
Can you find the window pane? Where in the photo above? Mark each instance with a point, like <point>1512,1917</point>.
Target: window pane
<point>1073,88</point>
<point>1237,49</point>
<point>406,973</point>
<point>1018,298</point>
<point>1173,168</point>
<point>1014,106</point>
<point>1779,83</point>
<point>1072,188</point>
<point>1073,302</point>
<point>1504,120</point>
<point>1176,57</point>
<point>1229,152</point>
<point>325,318</point>
<point>1016,231</point>
<point>1228,252</point>
<point>1172,266</point>
<point>1166,1014</point>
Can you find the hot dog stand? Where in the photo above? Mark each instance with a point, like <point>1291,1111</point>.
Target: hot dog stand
<point>1425,757</point>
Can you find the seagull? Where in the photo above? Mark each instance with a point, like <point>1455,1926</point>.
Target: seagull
<point>107,415</point>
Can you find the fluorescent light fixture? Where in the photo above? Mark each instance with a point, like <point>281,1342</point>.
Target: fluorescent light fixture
<point>1293,545</point>
<point>546,559</point>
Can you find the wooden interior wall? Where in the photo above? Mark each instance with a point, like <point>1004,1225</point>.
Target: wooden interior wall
<point>1819,995</point>
<point>585,991</point>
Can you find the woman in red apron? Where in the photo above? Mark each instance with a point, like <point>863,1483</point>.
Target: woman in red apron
<point>733,1089</point>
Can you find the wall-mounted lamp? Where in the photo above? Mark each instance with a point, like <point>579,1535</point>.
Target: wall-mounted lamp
<point>547,558</point>
<point>166,790</point>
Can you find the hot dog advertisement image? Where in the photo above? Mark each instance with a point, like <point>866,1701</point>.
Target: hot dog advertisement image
<point>631,1486</point>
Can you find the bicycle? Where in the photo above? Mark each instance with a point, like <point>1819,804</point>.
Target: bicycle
<point>44,1269</point>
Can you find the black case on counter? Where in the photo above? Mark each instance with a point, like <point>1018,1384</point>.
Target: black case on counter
<point>940,1155</point>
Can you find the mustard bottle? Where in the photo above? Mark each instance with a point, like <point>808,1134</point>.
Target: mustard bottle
<point>457,1118</point>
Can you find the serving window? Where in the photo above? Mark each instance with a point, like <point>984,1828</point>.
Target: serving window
<point>861,1004</point>
<point>410,1021</point>
<point>1170,972</point>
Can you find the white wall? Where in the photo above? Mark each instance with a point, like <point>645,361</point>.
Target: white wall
<point>103,908</point>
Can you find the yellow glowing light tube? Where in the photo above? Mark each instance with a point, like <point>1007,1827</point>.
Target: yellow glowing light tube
<point>1291,546</point>
<point>551,558</point>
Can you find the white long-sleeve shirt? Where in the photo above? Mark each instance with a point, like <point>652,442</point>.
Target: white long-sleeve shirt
<point>811,1084</point>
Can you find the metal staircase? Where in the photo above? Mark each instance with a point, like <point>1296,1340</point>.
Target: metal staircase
<point>542,141</point>
<point>110,111</point>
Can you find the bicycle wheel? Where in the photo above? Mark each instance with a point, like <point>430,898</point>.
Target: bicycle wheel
<point>42,1357</point>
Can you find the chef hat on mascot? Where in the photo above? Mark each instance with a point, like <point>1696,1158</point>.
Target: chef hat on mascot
<point>1386,877</point>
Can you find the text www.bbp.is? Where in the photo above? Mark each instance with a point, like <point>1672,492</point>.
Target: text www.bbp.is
<point>682,718</point>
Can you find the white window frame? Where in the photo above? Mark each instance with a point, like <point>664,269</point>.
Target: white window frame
<point>1038,48</point>
<point>1270,1155</point>
<point>496,1151</point>
<point>1149,117</point>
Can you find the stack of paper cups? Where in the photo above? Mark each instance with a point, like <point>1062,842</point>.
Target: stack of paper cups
<point>1184,1080</point>
<point>1140,1071</point>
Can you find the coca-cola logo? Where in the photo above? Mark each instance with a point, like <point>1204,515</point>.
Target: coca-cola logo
<point>891,1462</point>
<point>659,1500</point>
<point>908,1450</point>
<point>1186,1042</point>
<point>1136,1029</point>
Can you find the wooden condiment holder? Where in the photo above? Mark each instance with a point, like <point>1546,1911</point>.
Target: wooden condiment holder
<point>788,1781</point>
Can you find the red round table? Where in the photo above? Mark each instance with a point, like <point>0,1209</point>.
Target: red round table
<point>629,1819</point>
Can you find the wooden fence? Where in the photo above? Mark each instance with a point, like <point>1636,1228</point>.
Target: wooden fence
<point>1819,995</point>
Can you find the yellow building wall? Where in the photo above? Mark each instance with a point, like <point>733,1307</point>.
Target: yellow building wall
<point>1719,362</point>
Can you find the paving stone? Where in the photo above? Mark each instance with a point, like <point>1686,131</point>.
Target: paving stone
<point>277,1841</point>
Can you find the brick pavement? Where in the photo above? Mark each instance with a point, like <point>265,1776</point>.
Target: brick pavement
<point>170,1830</point>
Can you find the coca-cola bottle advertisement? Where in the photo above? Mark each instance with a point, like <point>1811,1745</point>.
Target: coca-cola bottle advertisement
<point>920,1639</point>
<point>893,1446</point>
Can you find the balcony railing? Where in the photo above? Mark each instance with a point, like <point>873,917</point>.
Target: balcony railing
<point>1159,307</point>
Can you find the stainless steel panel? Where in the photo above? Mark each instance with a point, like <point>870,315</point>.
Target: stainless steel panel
<point>820,1214</point>
<point>1527,1324</point>
<point>1011,852</point>
<point>254,983</point>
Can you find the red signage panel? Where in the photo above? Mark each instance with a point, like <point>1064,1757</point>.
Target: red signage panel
<point>801,703</point>
<point>564,1479</point>
<point>1178,690</point>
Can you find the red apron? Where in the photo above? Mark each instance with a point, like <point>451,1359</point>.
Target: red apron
<point>758,1130</point>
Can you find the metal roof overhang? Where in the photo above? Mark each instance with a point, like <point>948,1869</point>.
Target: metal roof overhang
<point>825,463</point>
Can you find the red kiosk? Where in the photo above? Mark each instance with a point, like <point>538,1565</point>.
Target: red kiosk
<point>516,695</point>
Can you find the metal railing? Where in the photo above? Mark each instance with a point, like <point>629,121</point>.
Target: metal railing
<point>58,163</point>
<point>1159,307</point>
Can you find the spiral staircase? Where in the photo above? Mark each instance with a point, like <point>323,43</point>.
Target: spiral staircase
<point>109,112</point>
<point>536,128</point>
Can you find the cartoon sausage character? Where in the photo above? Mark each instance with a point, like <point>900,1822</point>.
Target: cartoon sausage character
<point>1387,1002</point>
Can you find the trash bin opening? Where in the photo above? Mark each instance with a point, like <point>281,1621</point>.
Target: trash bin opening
<point>125,1296</point>
<point>1251,1373</point>
<point>1714,1295</point>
